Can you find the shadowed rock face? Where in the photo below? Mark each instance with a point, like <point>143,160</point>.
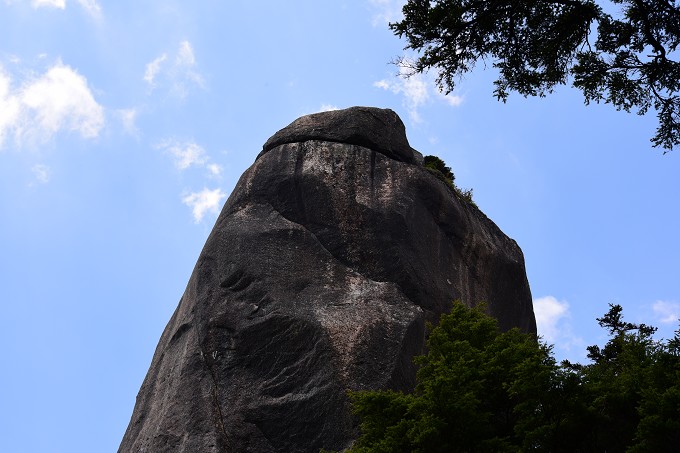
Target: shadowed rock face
<point>329,256</point>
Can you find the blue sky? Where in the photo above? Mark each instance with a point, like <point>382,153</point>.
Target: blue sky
<point>125,125</point>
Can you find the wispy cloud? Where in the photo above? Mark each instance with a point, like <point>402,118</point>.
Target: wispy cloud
<point>185,56</point>
<point>553,324</point>
<point>41,173</point>
<point>417,90</point>
<point>127,118</point>
<point>386,11</point>
<point>10,107</point>
<point>185,154</point>
<point>60,4</point>
<point>203,202</point>
<point>328,108</point>
<point>667,312</point>
<point>185,64</point>
<point>214,169</point>
<point>176,74</point>
<point>153,68</point>
<point>91,7</point>
<point>59,99</point>
<point>451,99</point>
<point>414,89</point>
<point>190,154</point>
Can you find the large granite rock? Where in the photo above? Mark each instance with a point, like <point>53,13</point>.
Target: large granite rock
<point>332,252</point>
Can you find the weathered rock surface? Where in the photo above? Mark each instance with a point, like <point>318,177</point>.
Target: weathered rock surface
<point>329,256</point>
<point>379,130</point>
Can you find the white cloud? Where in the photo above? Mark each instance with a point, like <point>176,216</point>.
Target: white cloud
<point>41,173</point>
<point>91,7</point>
<point>58,100</point>
<point>452,99</point>
<point>414,88</point>
<point>553,324</point>
<point>185,55</point>
<point>667,312</point>
<point>178,75</point>
<point>62,99</point>
<point>153,68</point>
<point>417,90</point>
<point>203,202</point>
<point>185,63</point>
<point>61,4</point>
<point>190,154</point>
<point>10,106</point>
<point>214,169</point>
<point>328,108</point>
<point>549,312</point>
<point>185,154</point>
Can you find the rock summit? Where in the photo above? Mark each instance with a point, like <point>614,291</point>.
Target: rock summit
<point>328,258</point>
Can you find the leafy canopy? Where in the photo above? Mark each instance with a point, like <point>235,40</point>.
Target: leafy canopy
<point>628,59</point>
<point>482,390</point>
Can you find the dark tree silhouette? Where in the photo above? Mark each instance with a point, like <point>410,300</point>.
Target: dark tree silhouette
<point>621,52</point>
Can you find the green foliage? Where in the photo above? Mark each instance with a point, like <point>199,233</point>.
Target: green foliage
<point>633,388</point>
<point>483,390</point>
<point>628,60</point>
<point>468,386</point>
<point>438,168</point>
<point>465,195</point>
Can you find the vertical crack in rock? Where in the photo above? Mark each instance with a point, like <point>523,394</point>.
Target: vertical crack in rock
<point>215,397</point>
<point>334,249</point>
<point>372,170</point>
<point>299,190</point>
